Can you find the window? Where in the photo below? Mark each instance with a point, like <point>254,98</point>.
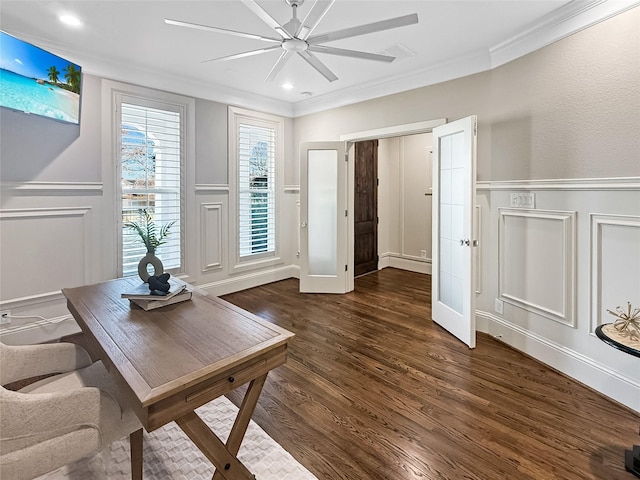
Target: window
<point>256,161</point>
<point>150,149</point>
<point>256,187</point>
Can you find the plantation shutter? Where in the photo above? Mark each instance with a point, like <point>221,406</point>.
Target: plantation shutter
<point>256,189</point>
<point>151,151</point>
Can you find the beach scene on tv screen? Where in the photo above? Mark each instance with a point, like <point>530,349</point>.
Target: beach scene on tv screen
<point>35,81</point>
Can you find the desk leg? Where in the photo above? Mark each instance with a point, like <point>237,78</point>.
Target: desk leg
<point>223,456</point>
<point>242,419</point>
<point>136,446</point>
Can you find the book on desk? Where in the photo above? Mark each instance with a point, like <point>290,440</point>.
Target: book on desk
<point>150,299</point>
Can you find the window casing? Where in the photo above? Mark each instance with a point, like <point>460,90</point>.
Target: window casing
<point>256,161</point>
<point>150,152</point>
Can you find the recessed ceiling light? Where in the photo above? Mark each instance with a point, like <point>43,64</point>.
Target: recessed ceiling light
<point>70,20</point>
<point>287,86</point>
<point>306,94</point>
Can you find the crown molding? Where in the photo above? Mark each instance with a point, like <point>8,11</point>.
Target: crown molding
<point>556,25</point>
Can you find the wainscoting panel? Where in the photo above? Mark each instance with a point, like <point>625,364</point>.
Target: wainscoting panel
<point>615,265</point>
<point>44,248</point>
<point>537,262</point>
<point>211,241</point>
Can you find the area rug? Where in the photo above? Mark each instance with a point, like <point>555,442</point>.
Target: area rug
<point>169,454</point>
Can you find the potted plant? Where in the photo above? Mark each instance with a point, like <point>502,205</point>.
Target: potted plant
<point>152,237</point>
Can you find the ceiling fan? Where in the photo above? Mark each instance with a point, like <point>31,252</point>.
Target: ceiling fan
<point>295,36</point>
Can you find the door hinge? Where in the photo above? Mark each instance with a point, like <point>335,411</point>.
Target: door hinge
<point>475,127</point>
<point>346,268</point>
<point>346,213</point>
<point>377,220</point>
<point>377,182</point>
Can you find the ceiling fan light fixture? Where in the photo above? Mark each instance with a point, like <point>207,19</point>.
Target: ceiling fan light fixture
<point>297,36</point>
<point>294,45</point>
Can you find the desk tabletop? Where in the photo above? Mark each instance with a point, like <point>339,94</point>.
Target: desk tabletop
<point>167,350</point>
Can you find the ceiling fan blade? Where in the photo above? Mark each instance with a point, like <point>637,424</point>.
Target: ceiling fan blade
<point>318,65</point>
<point>196,26</point>
<point>364,29</point>
<point>243,54</point>
<point>286,55</point>
<point>351,53</point>
<point>266,18</point>
<point>315,15</point>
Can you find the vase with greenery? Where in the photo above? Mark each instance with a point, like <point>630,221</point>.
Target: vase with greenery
<point>152,237</point>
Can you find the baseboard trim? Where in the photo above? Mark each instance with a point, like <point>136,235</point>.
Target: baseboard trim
<point>583,369</point>
<point>250,280</point>
<point>395,260</point>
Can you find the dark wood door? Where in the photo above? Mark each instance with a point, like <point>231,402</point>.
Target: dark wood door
<point>366,207</point>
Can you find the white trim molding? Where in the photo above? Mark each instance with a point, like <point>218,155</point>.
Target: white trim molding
<point>211,236</point>
<point>598,221</point>
<point>394,131</point>
<point>250,280</point>
<point>404,262</point>
<point>57,188</point>
<point>564,312</point>
<point>211,188</point>
<point>616,183</point>
<point>60,212</point>
<point>558,24</point>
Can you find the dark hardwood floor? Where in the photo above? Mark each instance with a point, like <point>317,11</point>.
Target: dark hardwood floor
<point>373,389</point>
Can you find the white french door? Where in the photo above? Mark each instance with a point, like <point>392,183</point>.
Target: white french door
<point>324,223</point>
<point>454,199</point>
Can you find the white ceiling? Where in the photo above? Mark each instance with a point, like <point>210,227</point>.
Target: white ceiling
<point>128,40</point>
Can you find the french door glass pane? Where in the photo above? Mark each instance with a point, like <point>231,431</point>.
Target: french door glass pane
<point>451,221</point>
<point>323,200</point>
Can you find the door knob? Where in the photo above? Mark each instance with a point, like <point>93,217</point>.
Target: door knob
<point>468,242</point>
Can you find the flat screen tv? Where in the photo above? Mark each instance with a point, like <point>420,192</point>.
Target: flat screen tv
<point>33,80</point>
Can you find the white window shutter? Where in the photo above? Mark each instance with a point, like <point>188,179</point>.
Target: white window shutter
<point>256,190</point>
<point>150,144</point>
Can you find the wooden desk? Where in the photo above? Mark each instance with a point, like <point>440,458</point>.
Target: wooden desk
<point>172,360</point>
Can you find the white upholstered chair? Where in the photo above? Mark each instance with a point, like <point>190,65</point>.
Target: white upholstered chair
<point>62,418</point>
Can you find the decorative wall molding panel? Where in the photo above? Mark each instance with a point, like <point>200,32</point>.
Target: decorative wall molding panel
<point>537,262</point>
<point>37,263</point>
<point>211,188</point>
<point>53,188</point>
<point>620,183</point>
<point>211,236</point>
<point>615,265</point>
<point>292,189</point>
